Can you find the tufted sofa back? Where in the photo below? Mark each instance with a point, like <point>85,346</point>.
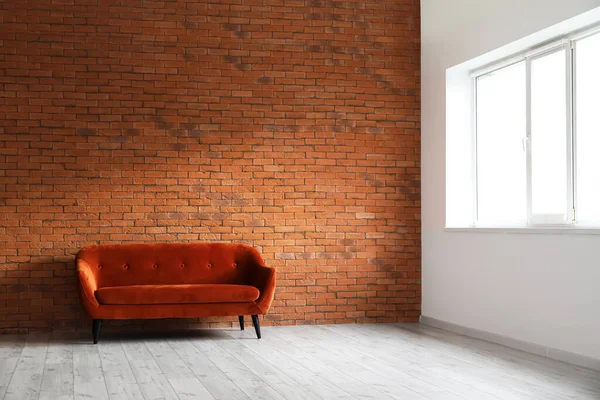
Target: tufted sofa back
<point>169,263</point>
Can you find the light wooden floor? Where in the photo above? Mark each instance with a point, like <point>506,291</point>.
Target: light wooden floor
<point>381,361</point>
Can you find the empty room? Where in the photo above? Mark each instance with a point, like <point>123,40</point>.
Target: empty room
<point>299,199</point>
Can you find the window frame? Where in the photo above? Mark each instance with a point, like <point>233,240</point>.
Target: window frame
<point>568,44</point>
<point>565,218</point>
<point>581,35</point>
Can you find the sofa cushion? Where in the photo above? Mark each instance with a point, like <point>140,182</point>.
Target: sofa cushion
<point>177,294</point>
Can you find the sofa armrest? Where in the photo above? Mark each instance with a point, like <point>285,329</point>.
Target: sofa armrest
<point>87,285</point>
<point>265,282</point>
<point>257,274</point>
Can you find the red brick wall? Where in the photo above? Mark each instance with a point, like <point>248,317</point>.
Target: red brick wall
<point>291,125</point>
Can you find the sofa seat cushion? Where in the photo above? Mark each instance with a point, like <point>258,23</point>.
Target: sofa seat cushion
<point>176,294</point>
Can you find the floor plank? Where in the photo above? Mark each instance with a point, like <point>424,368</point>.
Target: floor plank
<point>525,373</point>
<point>120,380</point>
<point>367,362</point>
<point>150,378</point>
<point>270,374</point>
<point>245,378</point>
<point>57,382</point>
<point>396,356</point>
<point>335,376</point>
<point>11,347</point>
<point>343,359</point>
<point>27,377</point>
<point>215,381</point>
<point>180,377</point>
<point>88,376</point>
<point>294,371</point>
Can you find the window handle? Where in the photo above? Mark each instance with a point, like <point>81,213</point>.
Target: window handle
<point>525,143</point>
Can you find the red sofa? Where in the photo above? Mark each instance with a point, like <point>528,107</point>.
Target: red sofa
<point>173,280</point>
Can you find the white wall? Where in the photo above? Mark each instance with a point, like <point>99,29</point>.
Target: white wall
<point>539,288</point>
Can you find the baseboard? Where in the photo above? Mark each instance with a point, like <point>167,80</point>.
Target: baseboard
<point>548,352</point>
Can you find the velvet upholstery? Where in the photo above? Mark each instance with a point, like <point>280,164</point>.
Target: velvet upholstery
<point>173,280</point>
<point>177,294</point>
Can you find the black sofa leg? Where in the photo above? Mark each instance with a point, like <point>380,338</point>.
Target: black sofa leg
<point>96,328</point>
<point>241,317</point>
<point>256,325</point>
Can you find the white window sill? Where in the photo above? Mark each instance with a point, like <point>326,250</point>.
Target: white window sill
<point>553,230</point>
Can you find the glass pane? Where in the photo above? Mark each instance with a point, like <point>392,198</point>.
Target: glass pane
<point>501,160</point>
<point>548,134</point>
<point>587,67</point>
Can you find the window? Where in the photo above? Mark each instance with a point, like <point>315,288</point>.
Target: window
<point>537,137</point>
<point>548,142</point>
<point>501,162</point>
